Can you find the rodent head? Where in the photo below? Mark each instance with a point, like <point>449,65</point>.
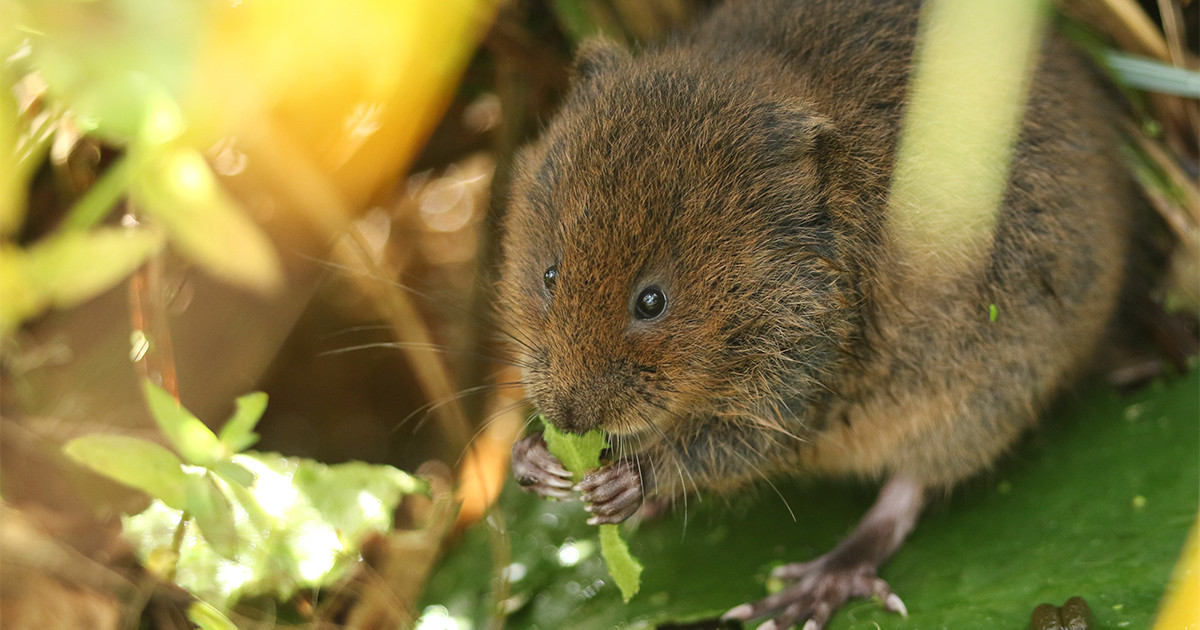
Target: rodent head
<point>672,248</point>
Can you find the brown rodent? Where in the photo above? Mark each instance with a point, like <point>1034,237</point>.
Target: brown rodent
<point>697,260</point>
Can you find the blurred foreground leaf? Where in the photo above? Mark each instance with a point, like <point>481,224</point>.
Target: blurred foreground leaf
<point>1096,504</point>
<point>67,269</point>
<point>179,191</point>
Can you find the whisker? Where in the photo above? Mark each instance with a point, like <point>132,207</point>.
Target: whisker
<point>400,345</point>
<point>429,407</point>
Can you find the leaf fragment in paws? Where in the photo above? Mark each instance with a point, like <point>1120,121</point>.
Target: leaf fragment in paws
<point>625,569</point>
<point>581,453</point>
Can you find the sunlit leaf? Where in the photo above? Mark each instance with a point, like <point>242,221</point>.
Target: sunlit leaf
<point>299,524</point>
<point>238,432</point>
<point>179,191</point>
<point>134,462</point>
<point>208,618</point>
<point>209,506</point>
<point>118,66</point>
<point>194,441</point>
<point>354,495</point>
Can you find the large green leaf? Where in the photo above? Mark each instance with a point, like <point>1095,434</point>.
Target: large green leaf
<point>1096,504</point>
<point>69,268</point>
<point>134,462</point>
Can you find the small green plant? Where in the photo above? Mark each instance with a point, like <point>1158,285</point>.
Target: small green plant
<point>264,523</point>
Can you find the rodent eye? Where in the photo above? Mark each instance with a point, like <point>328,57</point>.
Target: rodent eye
<point>651,303</point>
<point>550,278</point>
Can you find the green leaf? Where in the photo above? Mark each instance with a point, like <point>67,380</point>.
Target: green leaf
<point>1153,75</point>
<point>1080,508</point>
<point>69,268</point>
<point>134,462</point>
<point>625,570</point>
<point>72,267</point>
<point>354,497</point>
<point>237,435</point>
<point>179,191</point>
<point>20,297</point>
<point>194,441</point>
<point>206,617</point>
<point>209,506</point>
<point>579,453</point>
<point>13,177</point>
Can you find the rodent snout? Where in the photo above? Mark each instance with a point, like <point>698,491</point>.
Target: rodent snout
<point>565,416</point>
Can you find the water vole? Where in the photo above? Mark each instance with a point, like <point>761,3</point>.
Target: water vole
<point>697,260</point>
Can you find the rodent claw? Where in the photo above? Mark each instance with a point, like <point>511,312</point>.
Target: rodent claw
<point>744,612</point>
<point>612,493</point>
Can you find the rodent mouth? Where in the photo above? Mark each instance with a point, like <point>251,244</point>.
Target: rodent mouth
<point>628,428</point>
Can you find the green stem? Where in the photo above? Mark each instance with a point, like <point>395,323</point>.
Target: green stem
<point>177,544</point>
<point>102,196</point>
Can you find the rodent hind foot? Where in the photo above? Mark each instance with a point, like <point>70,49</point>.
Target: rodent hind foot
<point>822,587</point>
<point>850,570</point>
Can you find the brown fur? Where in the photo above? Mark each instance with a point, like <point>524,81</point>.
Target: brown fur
<point>744,169</point>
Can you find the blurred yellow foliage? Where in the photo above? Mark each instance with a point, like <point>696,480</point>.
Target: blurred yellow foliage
<point>356,85</point>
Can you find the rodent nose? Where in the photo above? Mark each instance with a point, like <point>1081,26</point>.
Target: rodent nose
<point>566,417</point>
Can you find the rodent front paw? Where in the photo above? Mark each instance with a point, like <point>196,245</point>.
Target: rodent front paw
<point>613,492</point>
<point>538,470</point>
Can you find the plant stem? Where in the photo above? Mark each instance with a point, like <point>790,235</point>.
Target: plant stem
<point>102,196</point>
<point>177,544</point>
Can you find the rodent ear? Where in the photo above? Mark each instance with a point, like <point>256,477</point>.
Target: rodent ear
<point>596,56</point>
